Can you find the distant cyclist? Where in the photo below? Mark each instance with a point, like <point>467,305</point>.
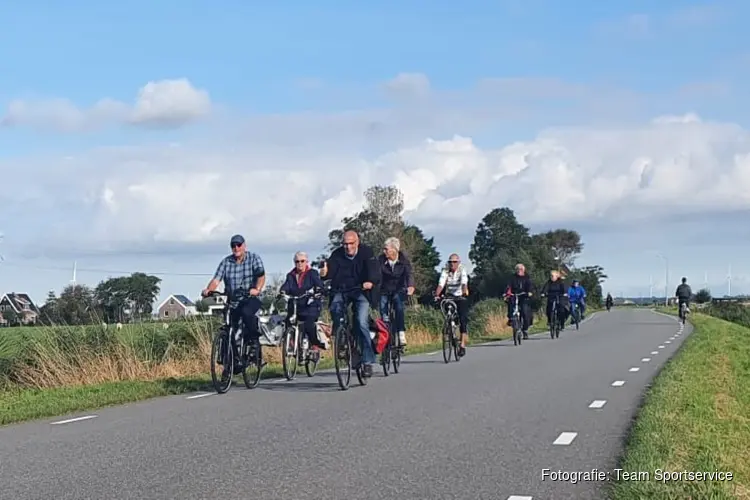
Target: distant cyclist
<point>683,294</point>
<point>609,301</point>
<point>455,281</point>
<point>520,282</point>
<point>577,296</point>
<point>244,277</point>
<point>553,289</point>
<point>397,277</point>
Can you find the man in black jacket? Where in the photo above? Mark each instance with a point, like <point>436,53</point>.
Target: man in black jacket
<point>354,267</point>
<point>520,282</point>
<point>683,294</point>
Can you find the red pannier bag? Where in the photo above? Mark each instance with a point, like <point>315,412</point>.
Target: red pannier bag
<point>379,334</point>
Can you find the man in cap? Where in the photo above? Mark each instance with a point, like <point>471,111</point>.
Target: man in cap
<point>244,277</point>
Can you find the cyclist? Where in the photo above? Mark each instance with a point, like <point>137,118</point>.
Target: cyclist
<point>553,289</point>
<point>454,280</point>
<point>396,275</point>
<point>577,296</point>
<point>609,301</point>
<point>683,294</point>
<point>298,281</point>
<point>520,282</point>
<point>349,266</point>
<point>244,277</point>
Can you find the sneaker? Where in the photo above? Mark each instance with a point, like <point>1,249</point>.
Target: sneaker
<point>402,338</point>
<point>525,335</point>
<point>367,371</point>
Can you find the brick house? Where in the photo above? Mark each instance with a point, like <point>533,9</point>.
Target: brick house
<point>176,306</point>
<point>20,305</point>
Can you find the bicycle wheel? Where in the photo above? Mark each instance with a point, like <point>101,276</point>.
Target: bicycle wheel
<point>516,325</point>
<point>289,353</point>
<point>456,345</point>
<point>357,347</point>
<point>311,363</point>
<point>252,365</point>
<point>396,355</point>
<point>447,341</point>
<point>222,355</point>
<point>342,357</point>
<point>385,356</point>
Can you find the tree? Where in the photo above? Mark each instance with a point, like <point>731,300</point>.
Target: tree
<point>124,297</point>
<point>703,296</point>
<point>142,292</point>
<point>381,218</point>
<point>564,244</point>
<point>76,305</point>
<point>591,278</point>
<point>48,312</point>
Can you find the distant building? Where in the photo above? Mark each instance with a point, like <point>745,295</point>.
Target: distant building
<point>176,306</point>
<point>18,307</point>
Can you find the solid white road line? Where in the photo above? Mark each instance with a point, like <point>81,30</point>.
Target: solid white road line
<point>645,360</point>
<point>597,403</point>
<point>565,438</point>
<point>71,420</point>
<point>203,395</point>
<point>618,383</point>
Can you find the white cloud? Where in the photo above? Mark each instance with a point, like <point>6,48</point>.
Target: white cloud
<point>147,196</point>
<point>164,103</point>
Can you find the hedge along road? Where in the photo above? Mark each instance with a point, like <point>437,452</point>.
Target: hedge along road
<point>499,424</point>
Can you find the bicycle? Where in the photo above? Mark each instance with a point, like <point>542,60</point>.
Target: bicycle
<point>451,343</point>
<point>292,353</point>
<point>574,312</point>
<point>344,344</point>
<point>554,326</point>
<point>515,318</point>
<point>683,312</point>
<point>393,349</point>
<point>234,358</point>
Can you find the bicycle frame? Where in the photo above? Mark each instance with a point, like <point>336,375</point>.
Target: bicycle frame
<point>449,308</point>
<point>392,351</point>
<point>351,342</point>
<point>516,320</point>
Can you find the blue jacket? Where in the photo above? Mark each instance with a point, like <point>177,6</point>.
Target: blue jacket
<point>295,285</point>
<point>576,294</point>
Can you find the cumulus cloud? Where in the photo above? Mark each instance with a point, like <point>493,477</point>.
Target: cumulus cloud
<point>164,103</point>
<point>139,197</point>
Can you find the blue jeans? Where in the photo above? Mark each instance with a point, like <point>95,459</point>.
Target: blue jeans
<point>398,307</point>
<point>361,324</point>
<point>581,308</point>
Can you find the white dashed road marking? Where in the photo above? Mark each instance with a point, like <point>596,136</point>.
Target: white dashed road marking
<point>519,497</point>
<point>667,341</point>
<point>71,420</point>
<point>661,347</point>
<point>645,360</point>
<point>618,383</point>
<point>196,396</point>
<point>565,438</point>
<point>654,352</point>
<point>597,403</point>
<point>634,369</point>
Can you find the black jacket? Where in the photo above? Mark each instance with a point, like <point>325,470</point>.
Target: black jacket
<point>683,291</point>
<point>397,278</point>
<point>347,273</point>
<point>554,289</point>
<point>520,284</point>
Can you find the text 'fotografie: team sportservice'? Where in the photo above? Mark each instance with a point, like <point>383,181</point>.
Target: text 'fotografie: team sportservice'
<point>659,475</point>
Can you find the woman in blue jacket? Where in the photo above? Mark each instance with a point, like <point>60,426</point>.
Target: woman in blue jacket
<point>298,281</point>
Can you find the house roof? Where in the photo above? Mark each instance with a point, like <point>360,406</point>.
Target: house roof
<point>18,300</point>
<point>181,299</point>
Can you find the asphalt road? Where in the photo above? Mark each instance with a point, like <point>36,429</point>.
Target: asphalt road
<point>483,428</point>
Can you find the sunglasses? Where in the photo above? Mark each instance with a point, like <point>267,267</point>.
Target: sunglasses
<point>299,261</point>
<point>452,262</point>
<point>236,245</point>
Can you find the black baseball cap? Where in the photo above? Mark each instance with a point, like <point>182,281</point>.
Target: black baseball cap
<point>237,239</point>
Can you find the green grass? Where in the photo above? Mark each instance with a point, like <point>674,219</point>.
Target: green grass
<point>696,417</point>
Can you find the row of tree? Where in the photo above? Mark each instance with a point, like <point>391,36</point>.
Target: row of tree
<point>115,300</point>
<point>500,242</point>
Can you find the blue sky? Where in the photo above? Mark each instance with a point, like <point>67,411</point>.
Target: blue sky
<point>309,93</point>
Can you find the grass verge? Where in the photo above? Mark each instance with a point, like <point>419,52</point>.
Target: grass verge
<point>147,380</point>
<point>696,417</point>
